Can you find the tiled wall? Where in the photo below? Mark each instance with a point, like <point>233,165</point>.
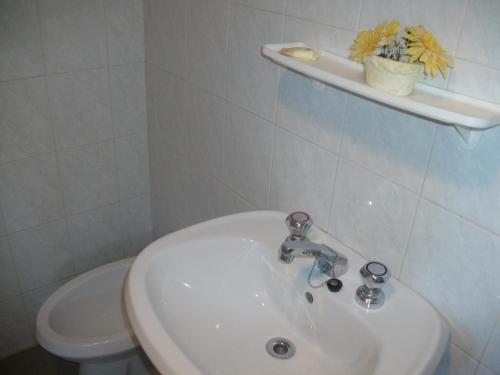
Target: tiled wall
<point>230,131</point>
<point>74,184</point>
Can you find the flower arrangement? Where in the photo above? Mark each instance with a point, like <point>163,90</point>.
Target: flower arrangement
<point>415,45</point>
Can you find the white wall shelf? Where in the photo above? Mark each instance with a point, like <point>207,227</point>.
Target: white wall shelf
<point>468,115</point>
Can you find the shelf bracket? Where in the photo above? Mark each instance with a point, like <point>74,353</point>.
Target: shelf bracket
<point>469,138</point>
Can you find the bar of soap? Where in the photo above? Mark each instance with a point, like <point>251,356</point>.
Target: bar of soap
<point>301,53</point>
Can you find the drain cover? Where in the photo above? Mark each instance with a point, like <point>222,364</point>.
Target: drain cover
<point>279,347</point>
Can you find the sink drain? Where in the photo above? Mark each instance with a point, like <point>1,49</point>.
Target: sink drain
<point>279,347</point>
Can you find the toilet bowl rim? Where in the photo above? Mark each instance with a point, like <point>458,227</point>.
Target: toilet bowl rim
<point>83,347</point>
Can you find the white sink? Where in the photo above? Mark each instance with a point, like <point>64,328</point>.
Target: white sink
<point>206,299</point>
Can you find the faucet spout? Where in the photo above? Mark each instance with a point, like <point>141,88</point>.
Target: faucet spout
<point>329,261</point>
<point>298,245</point>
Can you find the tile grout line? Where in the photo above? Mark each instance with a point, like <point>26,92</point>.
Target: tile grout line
<point>49,75</point>
<point>332,196</point>
<point>419,200</point>
<point>275,118</point>
<point>82,212</point>
<point>461,27</point>
<point>41,39</point>
<point>61,149</point>
<point>337,167</point>
<point>226,47</point>
<point>109,88</point>
<point>271,165</point>
<point>360,12</point>
<point>56,152</point>
<point>341,156</point>
<point>7,237</point>
<point>496,325</point>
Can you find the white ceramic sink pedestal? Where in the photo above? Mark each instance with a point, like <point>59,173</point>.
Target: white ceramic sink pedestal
<point>206,299</point>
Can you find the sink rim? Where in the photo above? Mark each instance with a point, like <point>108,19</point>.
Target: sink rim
<point>172,359</point>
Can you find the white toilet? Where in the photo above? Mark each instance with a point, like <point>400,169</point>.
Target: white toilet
<point>85,321</point>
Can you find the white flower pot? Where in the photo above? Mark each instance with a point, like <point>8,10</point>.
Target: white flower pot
<point>395,77</point>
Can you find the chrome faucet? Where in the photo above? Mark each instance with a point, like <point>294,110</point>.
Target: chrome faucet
<point>298,245</point>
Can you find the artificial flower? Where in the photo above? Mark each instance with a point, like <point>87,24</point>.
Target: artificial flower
<point>388,30</point>
<point>365,45</point>
<point>372,41</point>
<point>423,47</point>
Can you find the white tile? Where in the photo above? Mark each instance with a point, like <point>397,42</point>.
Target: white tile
<point>372,215</point>
<point>151,38</point>
<point>340,13</point>
<point>206,119</point>
<point>209,198</point>
<point>30,192</point>
<point>169,157</point>
<point>481,370</point>
<point>132,165</point>
<point>439,81</point>
<point>326,38</point>
<point>480,33</point>
<point>302,177</point>
<point>252,80</point>
<point>8,275</point>
<point>137,225</point>
<point>97,237</point>
<point>311,110</point>
<point>168,139</point>
<point>25,126</point>
<point>228,202</point>
<point>73,34</point>
<point>443,247</point>
<point>35,298</point>
<point>466,181</point>
<point>247,151</point>
<point>191,199</point>
<point>151,73</point>
<point>388,142</point>
<point>128,96</point>
<point>167,34</point>
<point>443,18</point>
<point>172,105</point>
<point>270,5</point>
<point>124,31</point>
<point>16,334</point>
<point>20,49</point>
<point>476,81</point>
<point>159,212</point>
<point>3,230</point>
<point>81,107</point>
<point>170,212</point>
<point>42,254</point>
<point>202,193</point>
<point>455,362</point>
<point>491,358</point>
<point>171,208</point>
<point>206,44</point>
<point>89,176</point>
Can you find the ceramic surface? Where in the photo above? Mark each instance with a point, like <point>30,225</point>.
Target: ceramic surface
<point>206,299</point>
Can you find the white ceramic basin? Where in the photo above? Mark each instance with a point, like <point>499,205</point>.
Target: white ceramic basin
<point>206,299</point>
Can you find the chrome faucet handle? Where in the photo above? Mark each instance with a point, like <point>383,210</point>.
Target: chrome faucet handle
<point>299,223</point>
<point>374,275</point>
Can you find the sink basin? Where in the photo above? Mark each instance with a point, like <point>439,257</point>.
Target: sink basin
<point>207,299</point>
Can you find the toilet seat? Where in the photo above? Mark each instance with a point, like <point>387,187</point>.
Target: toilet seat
<point>84,319</point>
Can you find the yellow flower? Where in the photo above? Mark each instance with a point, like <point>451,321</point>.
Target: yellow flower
<point>424,47</point>
<point>367,42</point>
<point>389,30</point>
<point>365,45</point>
